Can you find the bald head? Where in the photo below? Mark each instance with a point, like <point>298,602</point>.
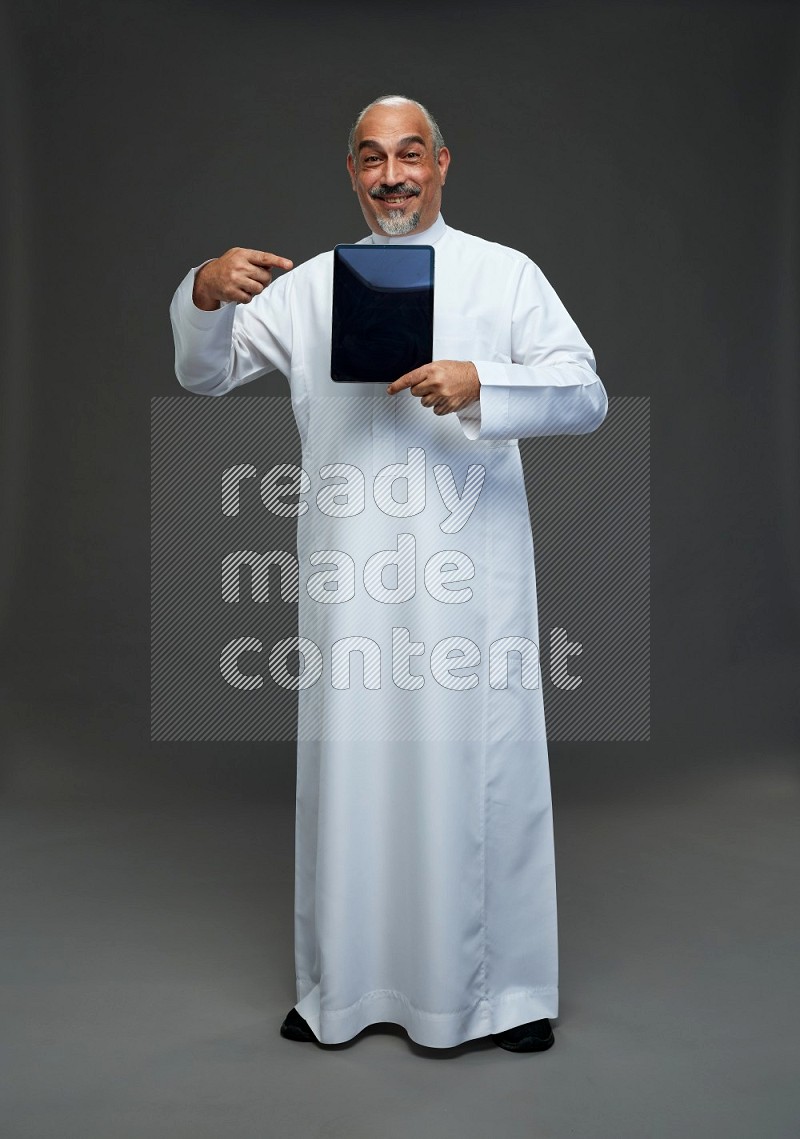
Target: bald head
<point>436,140</point>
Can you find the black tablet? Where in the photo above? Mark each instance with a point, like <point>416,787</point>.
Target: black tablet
<point>382,311</point>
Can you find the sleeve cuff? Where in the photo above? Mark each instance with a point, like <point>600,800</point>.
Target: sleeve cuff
<point>487,416</point>
<point>200,318</point>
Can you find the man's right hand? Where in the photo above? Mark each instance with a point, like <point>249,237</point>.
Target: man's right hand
<point>238,275</point>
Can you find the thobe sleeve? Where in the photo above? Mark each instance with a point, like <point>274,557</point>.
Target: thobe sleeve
<point>550,386</point>
<point>234,344</point>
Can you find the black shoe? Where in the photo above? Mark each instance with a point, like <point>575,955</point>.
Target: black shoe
<point>535,1036</point>
<point>296,1028</point>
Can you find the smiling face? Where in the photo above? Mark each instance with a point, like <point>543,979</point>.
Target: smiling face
<point>395,175</point>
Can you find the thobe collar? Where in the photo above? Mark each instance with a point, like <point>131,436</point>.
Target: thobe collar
<point>427,236</point>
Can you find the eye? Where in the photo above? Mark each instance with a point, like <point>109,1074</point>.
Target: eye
<point>412,154</point>
<point>371,158</point>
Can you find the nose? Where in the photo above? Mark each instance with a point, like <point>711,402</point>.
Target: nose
<point>392,173</point>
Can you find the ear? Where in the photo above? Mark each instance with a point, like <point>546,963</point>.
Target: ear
<point>443,163</point>
<point>352,170</point>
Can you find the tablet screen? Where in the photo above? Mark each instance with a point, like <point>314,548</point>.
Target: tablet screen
<point>382,311</point>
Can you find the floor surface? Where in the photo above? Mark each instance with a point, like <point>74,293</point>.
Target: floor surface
<point>147,960</point>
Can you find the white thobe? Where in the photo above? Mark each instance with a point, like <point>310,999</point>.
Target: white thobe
<point>425,889</point>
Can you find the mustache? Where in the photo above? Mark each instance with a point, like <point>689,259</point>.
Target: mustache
<point>390,191</point>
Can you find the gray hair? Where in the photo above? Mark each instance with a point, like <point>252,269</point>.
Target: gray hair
<point>436,134</point>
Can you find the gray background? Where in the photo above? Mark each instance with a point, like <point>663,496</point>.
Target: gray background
<point>646,156</point>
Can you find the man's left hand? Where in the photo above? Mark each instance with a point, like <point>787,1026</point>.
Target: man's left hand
<point>444,385</point>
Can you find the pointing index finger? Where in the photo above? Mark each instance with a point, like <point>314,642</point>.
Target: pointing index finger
<point>271,259</point>
<point>405,381</point>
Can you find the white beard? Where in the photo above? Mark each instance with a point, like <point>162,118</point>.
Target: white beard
<point>398,226</point>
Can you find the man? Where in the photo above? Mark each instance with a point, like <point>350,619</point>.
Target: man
<point>425,879</point>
